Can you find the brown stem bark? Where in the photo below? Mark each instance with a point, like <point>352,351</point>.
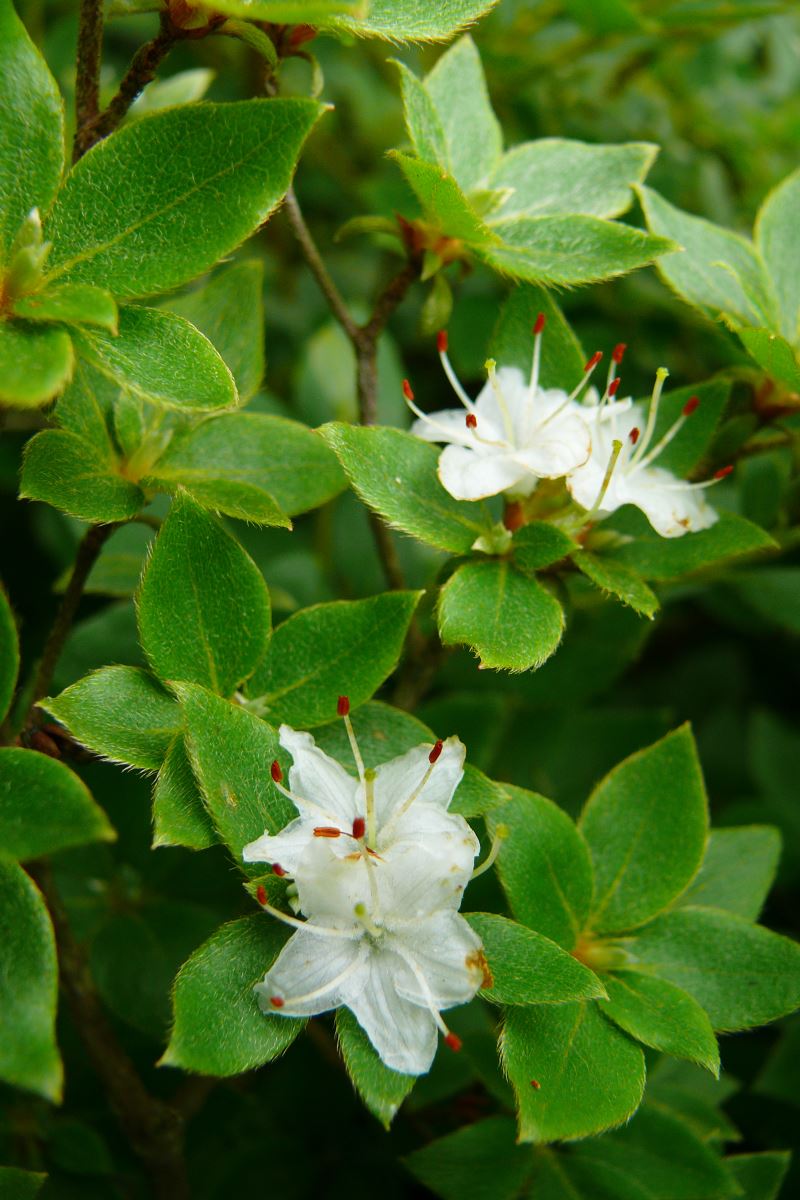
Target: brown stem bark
<point>87,68</point>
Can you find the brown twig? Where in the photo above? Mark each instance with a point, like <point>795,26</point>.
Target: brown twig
<point>85,559</point>
<point>317,267</point>
<point>87,68</point>
<point>367,338</point>
<point>154,1129</point>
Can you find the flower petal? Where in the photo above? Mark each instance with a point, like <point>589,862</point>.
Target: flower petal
<point>558,447</point>
<point>449,425</point>
<point>397,780</point>
<point>404,1034</point>
<point>284,848</point>
<point>424,877</point>
<point>316,777</point>
<point>671,510</point>
<point>449,955</point>
<point>321,969</point>
<point>468,475</point>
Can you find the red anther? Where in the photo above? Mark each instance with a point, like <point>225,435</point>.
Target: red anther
<point>618,353</point>
<point>275,771</point>
<point>472,421</point>
<point>613,387</point>
<point>359,827</point>
<point>436,751</point>
<point>327,831</point>
<point>407,392</point>
<point>723,472</point>
<point>453,1041</point>
<point>634,435</point>
<point>278,870</point>
<point>343,706</point>
<point>261,895</point>
<point>538,324</point>
<point>691,405</point>
<point>277,1001</point>
<point>535,1084</point>
<point>593,361</point>
<point>441,341</point>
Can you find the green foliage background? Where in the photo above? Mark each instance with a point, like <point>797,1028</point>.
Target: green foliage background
<point>717,87</point>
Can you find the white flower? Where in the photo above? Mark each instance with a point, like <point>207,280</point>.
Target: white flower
<point>513,435</point>
<point>621,470</point>
<point>380,867</point>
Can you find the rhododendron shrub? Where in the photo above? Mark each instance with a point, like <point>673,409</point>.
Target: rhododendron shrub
<point>400,510</point>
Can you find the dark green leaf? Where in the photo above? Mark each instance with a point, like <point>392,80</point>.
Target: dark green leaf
<point>527,968</point>
<point>442,200</point>
<point>773,353</point>
<point>737,871</point>
<point>28,986</point>
<point>44,807</point>
<point>181,188</point>
<point>473,139</point>
<point>16,1184</point>
<point>203,607</point>
<point>662,1016</point>
<point>590,1075</point>
<point>508,619</point>
<point>86,407</point>
<point>219,1028</point>
<point>658,558</point>
<point>619,580</point>
<point>35,363</point>
<point>395,474</point>
<point>410,21</point>
<point>381,1089</point>
<point>646,824</point>
<point>120,712</point>
<point>690,444</point>
<point>777,240</point>
<point>570,1176</point>
<point>162,358</point>
<point>230,497</point>
<point>539,544</point>
<point>72,303</point>
<point>9,654</point>
<point>179,815</point>
<point>511,345</point>
<point>481,1161</point>
<point>759,1175</point>
<point>62,469</point>
<point>230,751</point>
<point>742,974</point>
<point>544,866</point>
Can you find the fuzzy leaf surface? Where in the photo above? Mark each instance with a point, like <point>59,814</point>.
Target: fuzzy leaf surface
<point>528,968</point>
<point>44,807</point>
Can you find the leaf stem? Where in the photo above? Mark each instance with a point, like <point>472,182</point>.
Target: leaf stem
<point>154,1129</point>
<point>88,551</point>
<point>317,267</point>
<point>87,68</point>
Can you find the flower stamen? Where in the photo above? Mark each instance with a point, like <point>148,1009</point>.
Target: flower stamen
<point>652,415</point>
<point>343,709</point>
<point>453,379</point>
<point>293,1001</point>
<point>537,355</point>
<point>491,370</point>
<point>500,835</point>
<point>297,801</point>
<point>691,406</point>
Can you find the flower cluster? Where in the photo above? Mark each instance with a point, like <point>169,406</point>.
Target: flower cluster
<point>517,433</point>
<point>380,867</point>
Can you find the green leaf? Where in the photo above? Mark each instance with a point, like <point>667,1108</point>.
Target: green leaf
<point>384,733</point>
<point>737,871</point>
<point>539,544</point>
<point>289,463</point>
<point>527,968</point>
<point>662,1154</point>
<point>559,1176</point>
<point>410,21</point>
<point>16,1184</point>
<point>35,363</point>
<point>646,824</point>
<point>203,607</point>
<point>9,654</point>
<point>72,303</point>
<point>422,120</point>
<point>229,310</point>
<point>657,558</point>
<point>759,1175</point>
<point>742,974</point>
<point>567,250</point>
<point>219,1029</point>
<point>162,358</point>
<point>621,581</point>
<point>230,497</point>
<point>179,815</point>
<point>508,619</point>
<point>474,141</point>
<point>381,1089</point>
<point>62,469</point>
<point>590,1075</point>
<point>778,242</point>
<point>181,189</point>
<point>773,353</point>
<point>230,750</point>
<point>122,713</point>
<point>544,867</point>
<point>511,344</point>
<point>691,443</point>
<point>86,407</point>
<point>28,986</point>
<point>44,807</point>
<point>558,175</point>
<point>442,200</point>
<point>662,1016</point>
<point>481,1161</point>
<point>31,129</point>
<point>718,271</point>
<point>328,650</point>
<point>395,474</point>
